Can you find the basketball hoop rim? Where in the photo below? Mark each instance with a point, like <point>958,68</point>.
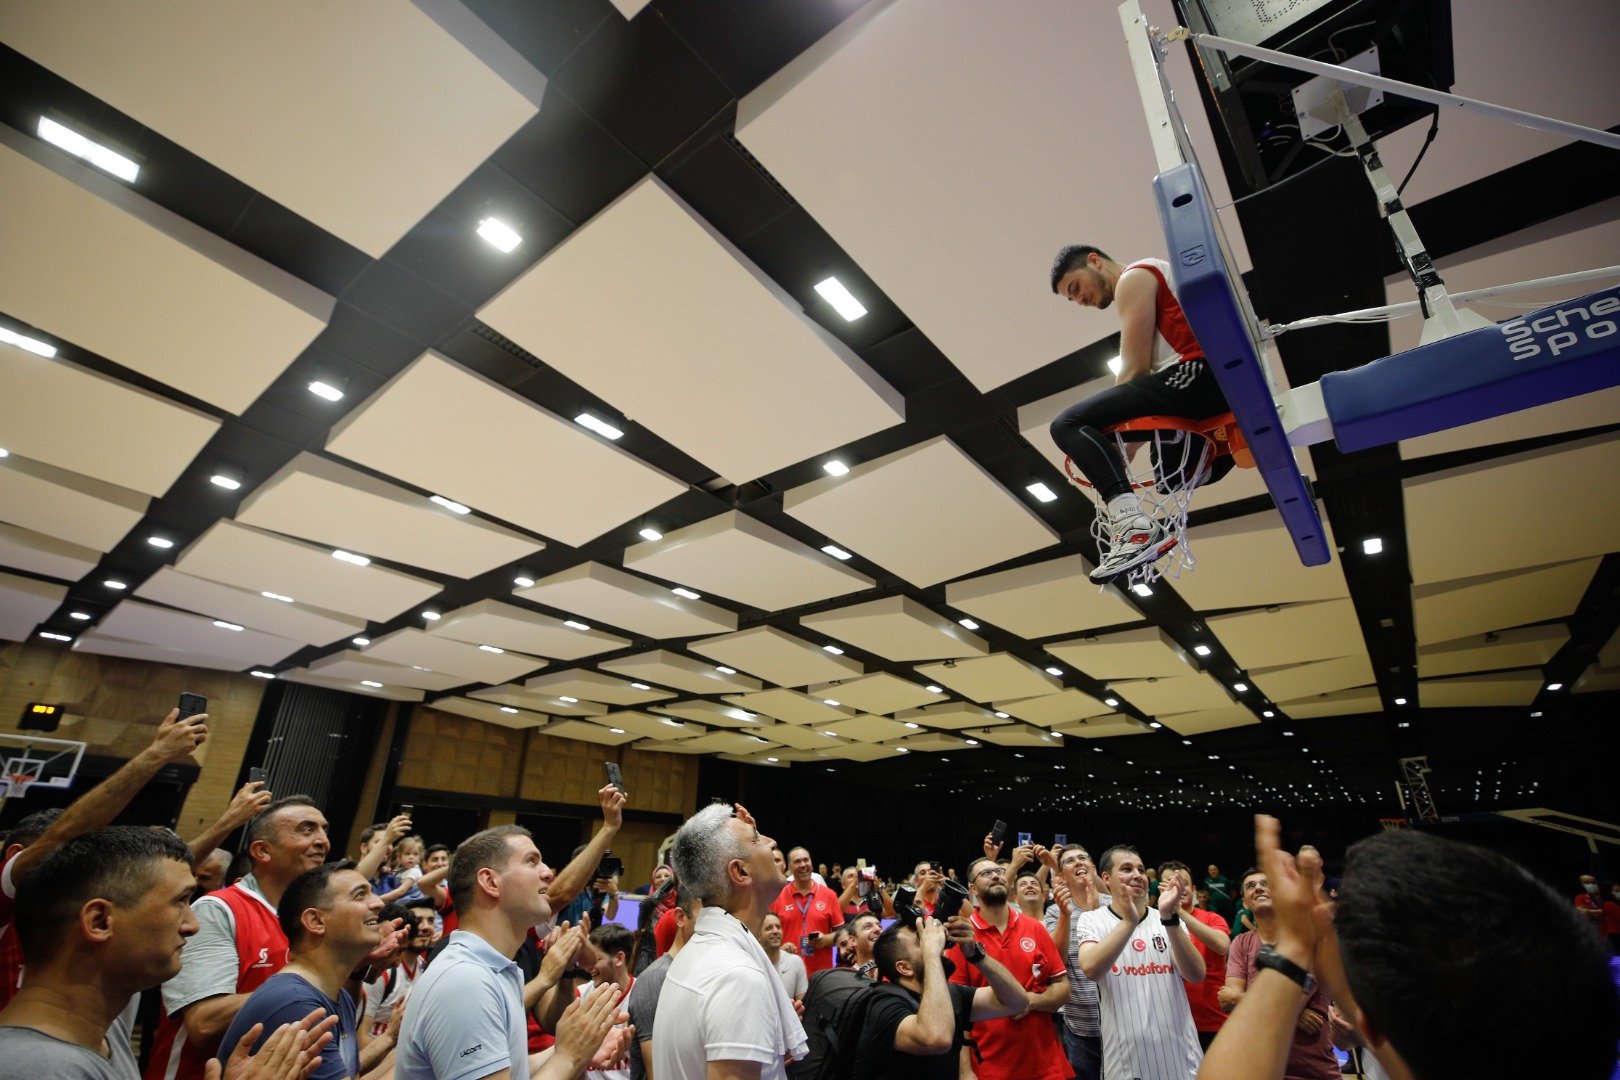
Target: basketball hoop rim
<point>1218,431</point>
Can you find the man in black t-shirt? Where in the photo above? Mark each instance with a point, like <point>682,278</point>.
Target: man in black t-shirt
<point>915,1020</point>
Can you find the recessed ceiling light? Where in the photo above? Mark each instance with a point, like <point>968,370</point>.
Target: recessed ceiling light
<point>375,685</point>
<point>80,146</point>
<point>671,723</point>
<point>112,583</point>
<point>431,616</point>
<point>598,425</point>
<point>499,234</point>
<point>835,650</point>
<point>1400,701</point>
<point>1268,714</point>
<point>1002,715</point>
<point>640,686</point>
<point>223,625</point>
<point>1141,589</point>
<point>492,649</point>
<point>1404,723</point>
<point>450,504</point>
<point>27,344</point>
<point>229,483</point>
<point>1111,702</point>
<point>650,534</point>
<point>901,750</point>
<point>842,300</point>
<point>362,642</point>
<point>419,667</point>
<point>575,624</point>
<point>681,590</point>
<point>932,689</point>
<point>1155,725</point>
<point>1202,650</point>
<point>836,467</point>
<point>351,557</point>
<point>617,730</point>
<point>1372,545</point>
<point>967,624</point>
<point>1186,742</point>
<point>262,674</point>
<point>1290,734</point>
<point>321,388</point>
<point>160,541</point>
<point>1214,757</point>
<point>1241,687</point>
<point>836,552</point>
<point>771,759</point>
<point>722,669</point>
<point>1042,492</point>
<point>1555,686</point>
<point>1055,671</point>
<point>830,701</point>
<point>523,582</point>
<point>912,726</point>
<point>973,742</point>
<point>276,596</point>
<point>50,636</point>
<point>832,734</point>
<point>81,616</point>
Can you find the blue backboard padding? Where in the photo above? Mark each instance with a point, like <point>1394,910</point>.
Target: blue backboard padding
<point>1557,352</point>
<point>1204,288</point>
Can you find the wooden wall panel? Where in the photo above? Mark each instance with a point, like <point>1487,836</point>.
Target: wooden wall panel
<point>666,783</point>
<point>637,844</point>
<point>564,770</point>
<point>452,753</point>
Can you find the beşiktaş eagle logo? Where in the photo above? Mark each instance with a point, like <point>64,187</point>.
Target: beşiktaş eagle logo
<point>1159,942</point>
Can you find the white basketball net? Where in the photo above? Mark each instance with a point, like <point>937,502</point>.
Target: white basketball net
<point>1164,465</point>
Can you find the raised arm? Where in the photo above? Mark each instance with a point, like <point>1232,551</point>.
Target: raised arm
<point>932,1029</point>
<point>1189,963</point>
<point>371,861</point>
<point>245,805</point>
<point>572,879</point>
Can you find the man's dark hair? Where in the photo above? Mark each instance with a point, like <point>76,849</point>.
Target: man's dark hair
<point>118,864</point>
<point>886,951</point>
<point>1105,864</point>
<point>373,830</point>
<point>610,938</point>
<point>31,828</point>
<point>1173,864</point>
<point>435,849</point>
<point>1250,872</point>
<point>1427,961</point>
<point>1070,257</point>
<point>311,889</point>
<point>423,901</point>
<point>684,899</point>
<point>396,910</point>
<point>489,848</point>
<point>260,827</point>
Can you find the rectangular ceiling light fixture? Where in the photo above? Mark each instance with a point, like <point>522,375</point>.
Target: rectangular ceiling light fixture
<point>843,301</point>
<point>1372,545</point>
<point>450,504</point>
<point>223,625</point>
<point>276,596</point>
<point>836,552</point>
<point>1042,492</point>
<point>229,483</point>
<point>650,534</point>
<point>351,557</point>
<point>681,590</point>
<point>598,425</point>
<point>499,234</point>
<point>27,344</point>
<point>88,149</point>
<point>323,389</point>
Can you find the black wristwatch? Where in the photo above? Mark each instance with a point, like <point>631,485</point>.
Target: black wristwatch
<point>1174,920</point>
<point>972,952</point>
<point>1269,957</point>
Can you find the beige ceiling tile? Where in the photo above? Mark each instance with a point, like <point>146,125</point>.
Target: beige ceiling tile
<point>1335,703</point>
<point>503,715</point>
<point>1250,562</point>
<point>320,500</point>
<point>78,509</point>
<point>866,751</point>
<point>713,713</point>
<point>1184,693</point>
<point>1051,710</point>
<point>878,693</point>
<point>1290,634</point>
<point>595,591</point>
<point>594,686</point>
<point>413,647</point>
<point>354,666</point>
<point>800,738</point>
<point>1018,735</point>
<point>121,434</point>
<point>25,603</point>
<point>520,697</point>
<point>1143,653</point>
<point>303,78</point>
<point>1597,679</point>
<point>791,706</point>
<point>259,561</point>
<point>898,628</point>
<point>1317,677</point>
<point>135,621</point>
<point>681,672</point>
<point>24,549</point>
<point>647,726</point>
<point>777,657</point>
<point>934,742</point>
<point>1593,410</point>
<point>507,626</point>
<point>1480,691</point>
<point>954,715</point>
<point>298,621</point>
<point>1207,720</point>
<point>586,731</point>
<point>353,686</point>
<point>715,319</point>
<point>1609,655</point>
<point>102,644</point>
<point>893,509</point>
<point>1449,539</point>
<point>775,758</point>
<point>723,742</point>
<point>1447,610</point>
<point>95,263</point>
<point>1105,727</point>
<point>743,559</point>
<point>1052,597</point>
<point>1532,646</point>
<point>1000,677</point>
<point>574,486</point>
<point>867,729</point>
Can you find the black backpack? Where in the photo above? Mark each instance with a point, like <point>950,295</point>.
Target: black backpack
<point>834,1013</point>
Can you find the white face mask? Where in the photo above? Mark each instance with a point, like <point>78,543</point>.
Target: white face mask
<point>1592,888</point>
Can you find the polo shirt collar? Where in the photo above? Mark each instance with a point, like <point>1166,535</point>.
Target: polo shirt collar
<point>1013,915</point>
<point>481,950</point>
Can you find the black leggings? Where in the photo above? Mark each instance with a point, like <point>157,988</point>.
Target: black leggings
<point>1185,389</point>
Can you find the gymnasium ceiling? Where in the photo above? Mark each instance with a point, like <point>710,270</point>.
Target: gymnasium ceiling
<point>682,173</point>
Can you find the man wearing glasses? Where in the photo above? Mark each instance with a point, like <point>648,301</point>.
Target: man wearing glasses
<point>1023,1046</point>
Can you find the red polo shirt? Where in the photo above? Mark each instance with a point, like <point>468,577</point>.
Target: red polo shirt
<point>1013,1048</point>
<point>802,914</point>
<point>1204,997</point>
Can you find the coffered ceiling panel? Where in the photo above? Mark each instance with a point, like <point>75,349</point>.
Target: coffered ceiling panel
<point>1045,598</point>
<point>1337,703</point>
<point>594,686</point>
<point>65,505</point>
<point>897,628</point>
<point>867,729</point>
<point>1317,677</point>
<point>135,621</point>
<point>646,726</point>
<point>593,590</point>
<point>24,604</point>
<point>353,686</point>
<point>801,738</point>
<point>1184,693</point>
<point>1128,654</point>
<point>520,697</point>
<point>99,266</point>
<point>880,693</point>
<point>1477,691</point>
<point>1448,610</point>
<point>738,557</point>
<point>473,663</point>
<point>24,549</point>
<point>1018,735</point>
<point>504,716</point>
<point>1001,677</point>
<point>717,742</point>
<point>1207,720</point>
<point>355,666</point>
<point>1249,561</point>
<point>1294,633</point>
<point>777,657</point>
<point>507,626</point>
<point>303,78</point>
<point>104,644</point>
<point>954,715</point>
<point>318,499</point>
<point>682,672</point>
<point>792,707</point>
<point>894,510</point>
<point>259,561</point>
<point>573,486</point>
<point>1105,727</point>
<point>1529,647</point>
<point>585,731</point>
<point>296,621</point>
<point>713,713</point>
<point>714,318</point>
<point>1051,710</point>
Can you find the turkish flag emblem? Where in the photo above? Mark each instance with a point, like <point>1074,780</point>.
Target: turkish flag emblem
<point>1139,945</point>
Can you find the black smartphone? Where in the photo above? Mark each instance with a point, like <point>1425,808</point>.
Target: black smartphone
<point>257,775</point>
<point>192,704</point>
<point>615,775</point>
<point>407,808</point>
<point>998,831</point>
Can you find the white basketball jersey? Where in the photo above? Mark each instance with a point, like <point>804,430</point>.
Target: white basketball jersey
<point>1147,1026</point>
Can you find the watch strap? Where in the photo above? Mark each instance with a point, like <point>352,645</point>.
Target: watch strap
<point>1268,957</point>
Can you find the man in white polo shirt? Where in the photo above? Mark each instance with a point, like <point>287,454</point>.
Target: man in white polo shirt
<point>466,1018</point>
<point>1139,956</point>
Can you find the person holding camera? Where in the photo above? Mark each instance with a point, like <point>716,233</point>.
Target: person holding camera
<point>917,1016</point>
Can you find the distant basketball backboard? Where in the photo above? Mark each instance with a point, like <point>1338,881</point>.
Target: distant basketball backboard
<point>28,761</point>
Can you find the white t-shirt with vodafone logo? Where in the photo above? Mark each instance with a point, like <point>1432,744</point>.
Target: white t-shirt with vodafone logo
<point>1147,1025</point>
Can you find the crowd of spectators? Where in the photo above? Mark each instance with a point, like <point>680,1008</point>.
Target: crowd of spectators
<point>751,962</point>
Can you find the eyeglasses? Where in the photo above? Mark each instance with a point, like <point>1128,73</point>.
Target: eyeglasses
<point>1250,886</point>
<point>993,871</point>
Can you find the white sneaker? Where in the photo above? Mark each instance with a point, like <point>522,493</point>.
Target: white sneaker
<point>1135,541</point>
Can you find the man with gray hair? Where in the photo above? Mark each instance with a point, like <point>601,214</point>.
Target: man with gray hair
<point>723,1006</point>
